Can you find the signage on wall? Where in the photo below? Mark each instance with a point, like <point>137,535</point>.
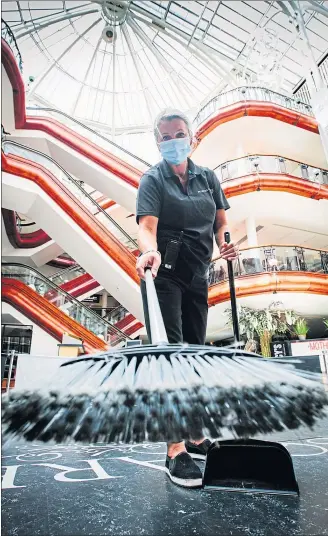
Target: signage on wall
<point>317,347</point>
<point>95,298</point>
<point>280,348</point>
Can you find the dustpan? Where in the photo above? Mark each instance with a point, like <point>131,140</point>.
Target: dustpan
<point>248,465</point>
<point>251,466</point>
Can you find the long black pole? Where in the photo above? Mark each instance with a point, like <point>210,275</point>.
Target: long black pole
<point>232,295</point>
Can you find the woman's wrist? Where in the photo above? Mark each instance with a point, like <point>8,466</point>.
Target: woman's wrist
<point>151,251</point>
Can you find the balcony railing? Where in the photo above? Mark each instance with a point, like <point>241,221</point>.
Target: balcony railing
<point>247,93</point>
<point>64,301</point>
<point>303,91</point>
<point>249,165</point>
<point>8,36</point>
<point>271,258</point>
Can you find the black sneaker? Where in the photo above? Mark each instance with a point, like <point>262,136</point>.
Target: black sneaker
<point>183,471</point>
<point>198,452</point>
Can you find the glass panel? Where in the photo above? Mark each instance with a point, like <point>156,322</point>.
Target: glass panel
<point>69,305</point>
<point>269,164</point>
<point>67,275</point>
<point>313,261</point>
<point>270,259</point>
<point>74,187</point>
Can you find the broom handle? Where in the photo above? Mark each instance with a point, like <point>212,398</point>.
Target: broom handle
<point>232,295</point>
<point>157,328</point>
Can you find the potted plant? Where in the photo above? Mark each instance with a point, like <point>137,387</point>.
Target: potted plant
<point>301,328</point>
<point>325,321</point>
<point>264,323</point>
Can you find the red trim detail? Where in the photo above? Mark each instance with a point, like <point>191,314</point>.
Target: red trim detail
<point>253,285</point>
<point>275,182</point>
<point>23,241</point>
<point>256,109</point>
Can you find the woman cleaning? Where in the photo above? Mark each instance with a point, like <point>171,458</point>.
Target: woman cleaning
<point>180,207</point>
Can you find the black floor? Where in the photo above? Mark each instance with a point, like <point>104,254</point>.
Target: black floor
<point>122,490</point>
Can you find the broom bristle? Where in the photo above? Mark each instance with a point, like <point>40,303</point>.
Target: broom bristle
<point>168,393</point>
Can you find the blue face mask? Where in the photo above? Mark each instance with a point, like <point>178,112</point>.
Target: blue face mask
<point>175,151</point>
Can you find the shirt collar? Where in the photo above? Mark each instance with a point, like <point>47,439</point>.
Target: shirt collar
<point>193,170</point>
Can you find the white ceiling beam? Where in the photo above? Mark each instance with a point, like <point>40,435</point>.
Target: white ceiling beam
<point>55,61</point>
<point>54,20</point>
<point>166,25</point>
<point>201,51</point>
<point>173,75</point>
<point>135,59</point>
<point>86,76</point>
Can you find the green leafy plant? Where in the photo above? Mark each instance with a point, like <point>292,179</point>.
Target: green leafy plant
<point>325,321</point>
<point>301,326</point>
<point>264,323</point>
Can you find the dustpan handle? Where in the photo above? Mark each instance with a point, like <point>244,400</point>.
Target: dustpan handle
<point>233,300</point>
<point>157,328</point>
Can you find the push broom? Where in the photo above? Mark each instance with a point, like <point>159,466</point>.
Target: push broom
<point>165,392</point>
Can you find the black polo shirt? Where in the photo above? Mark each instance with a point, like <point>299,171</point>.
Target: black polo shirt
<point>162,195</point>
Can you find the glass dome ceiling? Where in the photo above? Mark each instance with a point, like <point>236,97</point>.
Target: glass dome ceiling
<point>116,63</point>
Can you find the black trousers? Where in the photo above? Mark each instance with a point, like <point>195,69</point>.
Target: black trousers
<point>183,305</point>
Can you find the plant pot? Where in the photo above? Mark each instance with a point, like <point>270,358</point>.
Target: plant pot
<point>302,337</point>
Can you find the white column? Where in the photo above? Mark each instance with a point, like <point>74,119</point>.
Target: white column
<point>103,301</point>
<point>251,231</point>
<point>252,257</point>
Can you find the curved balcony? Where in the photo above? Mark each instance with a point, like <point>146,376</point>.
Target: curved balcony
<point>64,302</point>
<point>270,164</point>
<point>254,101</point>
<point>271,258</point>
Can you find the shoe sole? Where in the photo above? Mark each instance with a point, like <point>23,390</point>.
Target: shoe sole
<point>185,483</point>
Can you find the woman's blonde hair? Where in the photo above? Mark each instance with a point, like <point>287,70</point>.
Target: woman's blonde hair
<point>168,115</point>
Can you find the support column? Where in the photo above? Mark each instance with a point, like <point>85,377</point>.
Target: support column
<point>103,303</point>
<point>251,258</point>
<point>251,231</point>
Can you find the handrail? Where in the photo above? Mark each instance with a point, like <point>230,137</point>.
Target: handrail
<point>66,270</point>
<point>241,94</point>
<point>257,155</point>
<point>5,29</point>
<point>78,186</point>
<point>274,246</point>
<point>46,315</point>
<point>110,327</point>
<point>265,258</point>
<point>74,120</point>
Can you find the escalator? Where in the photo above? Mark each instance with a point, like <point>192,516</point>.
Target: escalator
<point>84,153</point>
<point>54,310</point>
<point>36,186</point>
<point>77,283</point>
